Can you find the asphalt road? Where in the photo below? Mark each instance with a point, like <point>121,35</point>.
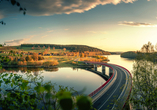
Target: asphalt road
<point>118,91</point>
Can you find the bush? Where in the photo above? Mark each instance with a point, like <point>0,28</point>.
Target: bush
<point>20,63</point>
<point>22,59</point>
<point>40,58</point>
<point>50,63</point>
<point>28,58</point>
<point>32,63</point>
<point>41,95</point>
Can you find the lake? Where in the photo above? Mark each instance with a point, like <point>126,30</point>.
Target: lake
<point>75,77</point>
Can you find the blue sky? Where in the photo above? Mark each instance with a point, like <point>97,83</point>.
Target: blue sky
<point>112,25</point>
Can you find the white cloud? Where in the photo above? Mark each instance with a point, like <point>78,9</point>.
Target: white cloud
<point>18,41</point>
<point>50,7</point>
<point>137,24</point>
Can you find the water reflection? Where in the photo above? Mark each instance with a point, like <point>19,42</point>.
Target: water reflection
<point>71,77</point>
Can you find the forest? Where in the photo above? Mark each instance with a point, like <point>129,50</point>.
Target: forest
<point>71,48</point>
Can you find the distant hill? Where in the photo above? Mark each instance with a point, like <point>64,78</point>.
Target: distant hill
<point>129,54</point>
<point>71,48</point>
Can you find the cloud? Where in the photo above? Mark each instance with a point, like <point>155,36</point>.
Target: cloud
<point>137,24</point>
<point>97,32</point>
<point>94,32</point>
<point>44,36</point>
<point>50,31</point>
<point>18,41</point>
<point>66,29</point>
<point>1,16</point>
<point>51,7</point>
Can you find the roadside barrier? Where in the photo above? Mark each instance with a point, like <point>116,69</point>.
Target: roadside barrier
<point>98,89</point>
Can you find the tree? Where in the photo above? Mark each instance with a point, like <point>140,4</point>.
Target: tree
<point>33,48</point>
<point>43,47</point>
<point>147,48</point>
<point>82,55</point>
<point>64,49</point>
<point>39,47</point>
<point>35,56</point>
<point>144,91</point>
<point>48,48</point>
<point>28,58</point>
<point>14,3</point>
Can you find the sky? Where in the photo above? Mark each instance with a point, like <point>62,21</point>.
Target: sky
<point>111,25</point>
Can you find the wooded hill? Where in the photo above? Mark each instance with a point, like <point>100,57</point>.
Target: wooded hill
<point>71,48</point>
<point>129,54</point>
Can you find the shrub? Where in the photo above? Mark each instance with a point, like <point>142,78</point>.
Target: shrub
<point>50,63</point>
<point>40,95</point>
<point>22,59</point>
<point>28,58</point>
<point>20,63</point>
<point>40,58</point>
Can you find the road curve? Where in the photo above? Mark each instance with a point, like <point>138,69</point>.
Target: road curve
<point>113,94</point>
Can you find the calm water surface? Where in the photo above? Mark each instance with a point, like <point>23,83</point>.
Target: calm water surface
<point>79,78</point>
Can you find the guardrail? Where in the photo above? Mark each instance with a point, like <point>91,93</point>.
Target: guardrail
<point>131,79</point>
<point>98,89</point>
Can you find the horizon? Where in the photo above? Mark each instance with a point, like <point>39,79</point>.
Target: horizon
<point>112,25</point>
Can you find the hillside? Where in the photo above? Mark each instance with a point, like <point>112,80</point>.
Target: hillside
<point>71,48</point>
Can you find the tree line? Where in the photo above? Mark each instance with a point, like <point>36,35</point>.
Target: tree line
<point>71,48</point>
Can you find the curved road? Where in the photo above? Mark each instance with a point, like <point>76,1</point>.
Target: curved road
<point>115,93</point>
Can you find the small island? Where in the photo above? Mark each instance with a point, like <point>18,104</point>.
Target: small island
<point>129,54</point>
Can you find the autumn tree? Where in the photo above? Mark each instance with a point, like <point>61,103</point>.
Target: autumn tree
<point>35,56</point>
<point>64,49</point>
<point>53,48</point>
<point>78,54</point>
<point>48,48</point>
<point>28,58</point>
<point>33,48</point>
<point>82,55</point>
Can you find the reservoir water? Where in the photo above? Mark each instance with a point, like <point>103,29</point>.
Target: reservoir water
<point>75,77</point>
